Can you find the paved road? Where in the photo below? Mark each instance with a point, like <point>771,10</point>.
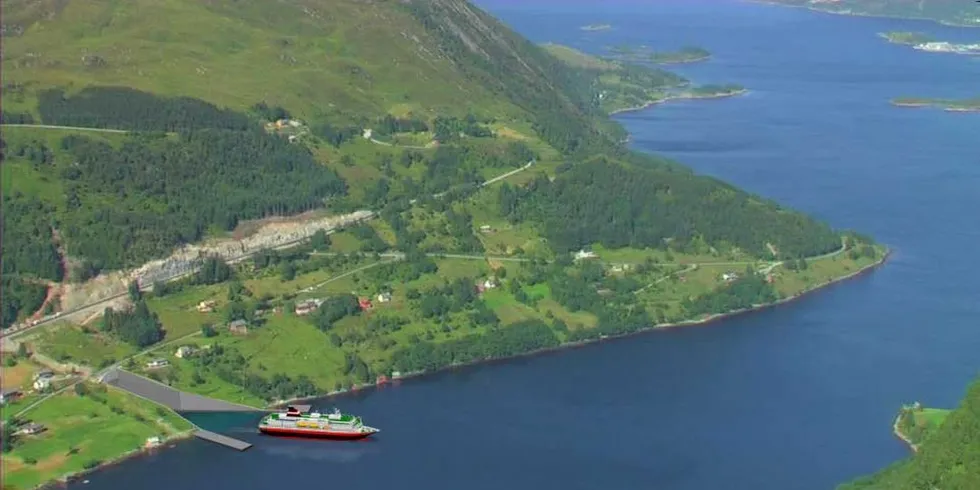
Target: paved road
<point>73,128</point>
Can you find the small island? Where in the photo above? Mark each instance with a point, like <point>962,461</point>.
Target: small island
<point>687,54</point>
<point>915,423</point>
<point>596,27</point>
<point>906,38</point>
<point>949,105</point>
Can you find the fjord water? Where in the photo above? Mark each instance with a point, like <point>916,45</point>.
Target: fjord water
<point>797,397</point>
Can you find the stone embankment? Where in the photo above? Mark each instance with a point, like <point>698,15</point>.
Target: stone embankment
<point>185,260</point>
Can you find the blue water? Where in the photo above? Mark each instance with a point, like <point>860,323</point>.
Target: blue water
<point>798,397</point>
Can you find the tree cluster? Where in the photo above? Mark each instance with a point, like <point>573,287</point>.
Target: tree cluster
<point>625,206</point>
<point>138,326</point>
<point>131,109</point>
<point>516,339</point>
<point>137,202</point>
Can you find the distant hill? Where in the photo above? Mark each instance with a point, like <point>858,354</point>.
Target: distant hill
<point>949,459</point>
<point>959,12</point>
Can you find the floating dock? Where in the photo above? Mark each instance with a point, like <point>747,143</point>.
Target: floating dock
<point>223,440</point>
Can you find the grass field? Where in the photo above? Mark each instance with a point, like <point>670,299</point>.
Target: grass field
<point>82,431</point>
<point>919,424</point>
<point>81,345</point>
<point>311,60</point>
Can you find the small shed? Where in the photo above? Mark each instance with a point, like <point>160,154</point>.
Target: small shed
<point>31,429</point>
<point>9,395</point>
<point>239,327</point>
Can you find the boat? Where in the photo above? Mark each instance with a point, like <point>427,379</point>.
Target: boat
<point>300,421</point>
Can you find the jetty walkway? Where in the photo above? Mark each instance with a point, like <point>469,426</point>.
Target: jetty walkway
<point>178,401</point>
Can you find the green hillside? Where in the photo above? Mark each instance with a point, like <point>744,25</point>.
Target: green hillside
<point>949,458</point>
<point>964,13</point>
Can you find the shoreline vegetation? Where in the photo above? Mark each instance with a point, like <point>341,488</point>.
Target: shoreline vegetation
<point>698,322</point>
<point>915,424</point>
<point>906,38</point>
<point>948,105</point>
<point>731,91</point>
<point>686,54</point>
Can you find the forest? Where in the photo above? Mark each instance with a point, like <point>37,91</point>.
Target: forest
<point>137,202</point>
<point>949,459</point>
<point>620,206</point>
<point>130,109</point>
<point>516,339</point>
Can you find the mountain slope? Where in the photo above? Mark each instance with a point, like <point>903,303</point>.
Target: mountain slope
<point>949,459</point>
<point>199,83</point>
<point>959,12</point>
<point>316,57</point>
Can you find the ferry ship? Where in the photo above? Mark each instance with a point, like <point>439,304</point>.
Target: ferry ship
<point>300,421</point>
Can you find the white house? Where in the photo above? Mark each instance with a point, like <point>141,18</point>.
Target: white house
<point>185,351</point>
<point>729,276</point>
<point>582,254</point>
<point>490,283</point>
<point>41,384</point>
<point>157,363</point>
<point>384,297</point>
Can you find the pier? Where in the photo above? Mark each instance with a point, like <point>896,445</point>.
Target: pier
<point>223,440</point>
<point>167,396</point>
<point>178,401</point>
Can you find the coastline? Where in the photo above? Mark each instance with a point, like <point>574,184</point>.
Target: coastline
<point>897,430</point>
<point>860,14</point>
<point>580,343</point>
<point>165,443</point>
<point>669,98</point>
<point>935,105</point>
<point>685,61</point>
<point>705,321</point>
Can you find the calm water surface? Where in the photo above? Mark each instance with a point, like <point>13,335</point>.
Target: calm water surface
<point>800,397</point>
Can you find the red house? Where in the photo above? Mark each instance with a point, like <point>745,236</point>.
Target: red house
<point>364,303</point>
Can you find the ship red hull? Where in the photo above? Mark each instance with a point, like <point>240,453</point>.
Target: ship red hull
<point>316,434</point>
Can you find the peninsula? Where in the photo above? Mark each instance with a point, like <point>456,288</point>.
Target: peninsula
<point>402,218</point>
<point>949,105</point>
<point>622,86</point>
